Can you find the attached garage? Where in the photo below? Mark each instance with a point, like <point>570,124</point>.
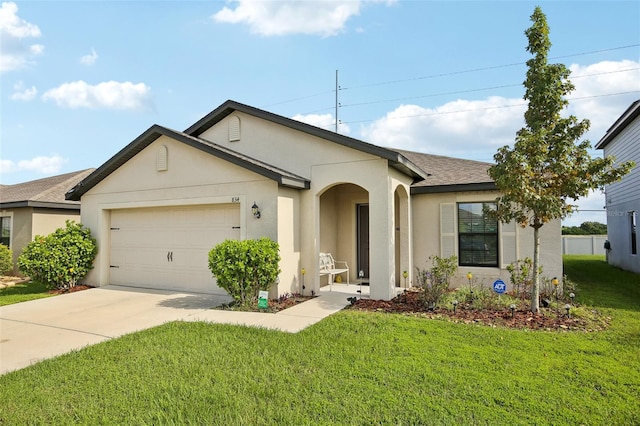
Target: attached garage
<point>167,248</point>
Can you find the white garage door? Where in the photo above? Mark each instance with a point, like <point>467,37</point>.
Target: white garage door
<point>168,248</point>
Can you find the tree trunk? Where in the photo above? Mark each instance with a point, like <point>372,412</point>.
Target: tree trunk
<point>535,288</point>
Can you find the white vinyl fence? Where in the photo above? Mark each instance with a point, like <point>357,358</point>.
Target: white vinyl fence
<point>583,244</point>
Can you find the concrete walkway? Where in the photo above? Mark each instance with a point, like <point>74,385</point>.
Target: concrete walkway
<point>45,328</point>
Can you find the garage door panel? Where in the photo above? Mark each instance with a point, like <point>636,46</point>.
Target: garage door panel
<point>167,248</point>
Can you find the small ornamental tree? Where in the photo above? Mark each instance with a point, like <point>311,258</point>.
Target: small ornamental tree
<point>60,259</point>
<point>545,168</point>
<point>6,260</point>
<point>243,268</point>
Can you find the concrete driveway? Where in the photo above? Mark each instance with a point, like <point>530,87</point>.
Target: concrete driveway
<point>45,328</point>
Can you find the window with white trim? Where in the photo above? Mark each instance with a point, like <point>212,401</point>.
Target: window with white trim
<point>477,235</point>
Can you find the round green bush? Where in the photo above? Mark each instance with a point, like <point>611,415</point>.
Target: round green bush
<point>60,259</point>
<point>243,268</point>
<point>6,260</point>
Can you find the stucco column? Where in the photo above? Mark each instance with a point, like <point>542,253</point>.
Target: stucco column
<point>382,242</point>
<point>309,231</point>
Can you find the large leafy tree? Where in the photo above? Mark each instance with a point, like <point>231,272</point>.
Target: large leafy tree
<point>547,167</point>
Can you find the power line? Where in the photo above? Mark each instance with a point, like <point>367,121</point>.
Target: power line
<point>484,68</point>
<point>457,92</point>
<point>439,75</point>
<point>474,90</point>
<point>487,108</point>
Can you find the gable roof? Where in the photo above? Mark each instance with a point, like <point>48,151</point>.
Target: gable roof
<point>191,137</point>
<point>47,192</point>
<point>621,123</point>
<point>396,160</point>
<point>283,177</point>
<point>447,174</point>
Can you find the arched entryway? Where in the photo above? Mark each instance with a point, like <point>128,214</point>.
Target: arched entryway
<point>402,232</point>
<point>344,230</point>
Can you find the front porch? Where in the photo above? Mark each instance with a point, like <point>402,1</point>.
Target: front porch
<point>369,230</point>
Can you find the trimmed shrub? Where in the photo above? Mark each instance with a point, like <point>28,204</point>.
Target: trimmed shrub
<point>243,268</point>
<point>60,259</point>
<point>6,260</point>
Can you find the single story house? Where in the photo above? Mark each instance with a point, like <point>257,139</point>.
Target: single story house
<point>159,205</point>
<point>38,207</point>
<point>622,141</point>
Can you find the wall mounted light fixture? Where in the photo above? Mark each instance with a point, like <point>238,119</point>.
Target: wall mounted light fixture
<point>255,210</point>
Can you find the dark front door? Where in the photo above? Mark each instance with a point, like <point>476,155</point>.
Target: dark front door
<point>363,239</point>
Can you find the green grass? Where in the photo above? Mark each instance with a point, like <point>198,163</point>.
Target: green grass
<point>603,286</point>
<point>22,293</point>
<point>351,368</point>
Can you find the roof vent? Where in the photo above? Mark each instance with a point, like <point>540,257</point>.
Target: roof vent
<point>161,159</point>
<point>234,129</point>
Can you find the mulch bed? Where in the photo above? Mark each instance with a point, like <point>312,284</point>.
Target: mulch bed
<point>409,303</point>
<point>73,289</point>
<point>275,305</point>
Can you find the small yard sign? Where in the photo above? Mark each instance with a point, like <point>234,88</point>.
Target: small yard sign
<point>263,299</point>
<point>499,286</point>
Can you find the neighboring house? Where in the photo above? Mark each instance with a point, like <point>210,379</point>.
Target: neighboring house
<point>37,207</point>
<point>622,141</point>
<point>159,205</point>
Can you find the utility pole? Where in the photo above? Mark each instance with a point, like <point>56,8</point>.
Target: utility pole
<point>337,87</point>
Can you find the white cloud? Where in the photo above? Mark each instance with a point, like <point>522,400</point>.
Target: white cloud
<point>601,79</point>
<point>14,26</point>
<point>322,17</point>
<point>110,94</point>
<point>458,128</point>
<point>7,166</point>
<point>42,165</point>
<point>15,52</point>
<point>89,59</point>
<point>325,121</point>
<point>475,129</point>
<point>22,93</point>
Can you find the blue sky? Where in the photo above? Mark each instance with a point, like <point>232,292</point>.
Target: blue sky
<point>80,80</point>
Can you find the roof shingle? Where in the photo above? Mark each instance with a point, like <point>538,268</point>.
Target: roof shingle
<point>447,173</point>
<point>41,192</point>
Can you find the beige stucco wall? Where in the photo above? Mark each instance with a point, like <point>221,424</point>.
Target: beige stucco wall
<point>27,222</point>
<point>45,221</point>
<point>281,146</point>
<point>427,241</point>
<point>290,280</point>
<point>192,178</point>
<point>328,225</point>
<point>21,234</point>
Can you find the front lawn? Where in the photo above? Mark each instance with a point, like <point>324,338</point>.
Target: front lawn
<point>23,292</point>
<point>351,368</point>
